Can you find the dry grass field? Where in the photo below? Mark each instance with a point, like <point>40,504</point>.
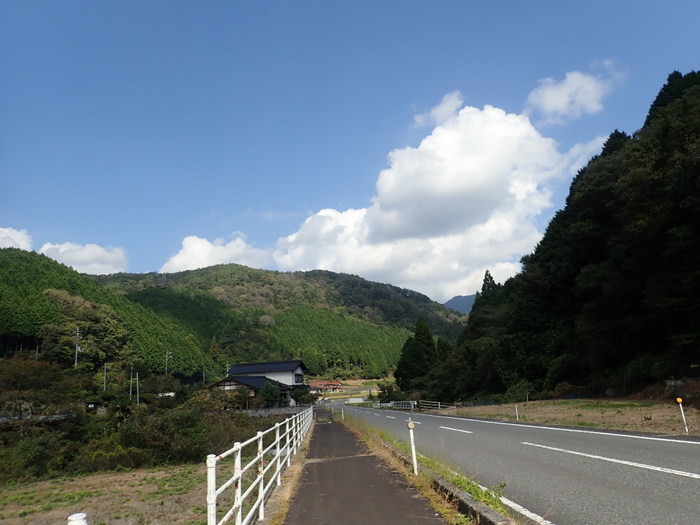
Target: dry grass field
<point>175,495</point>
<point>621,414</point>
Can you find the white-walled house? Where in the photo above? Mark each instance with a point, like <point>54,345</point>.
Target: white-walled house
<point>290,373</point>
<point>283,375</point>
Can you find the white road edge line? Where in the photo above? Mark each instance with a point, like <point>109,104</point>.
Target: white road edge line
<point>522,510</point>
<point>458,430</point>
<point>620,461</point>
<point>519,508</point>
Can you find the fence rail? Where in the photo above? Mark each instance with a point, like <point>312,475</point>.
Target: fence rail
<point>428,405</point>
<point>248,482</point>
<point>412,405</point>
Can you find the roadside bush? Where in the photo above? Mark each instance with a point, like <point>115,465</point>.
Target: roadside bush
<point>32,457</point>
<point>169,435</point>
<point>109,454</point>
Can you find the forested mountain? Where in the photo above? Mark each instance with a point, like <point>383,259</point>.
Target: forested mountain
<point>48,310</point>
<point>610,297</point>
<point>461,303</point>
<point>204,320</point>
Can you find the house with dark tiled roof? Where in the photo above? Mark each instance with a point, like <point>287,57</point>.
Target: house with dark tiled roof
<point>283,375</point>
<point>290,373</point>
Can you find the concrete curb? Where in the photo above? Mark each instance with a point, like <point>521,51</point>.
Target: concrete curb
<point>478,511</point>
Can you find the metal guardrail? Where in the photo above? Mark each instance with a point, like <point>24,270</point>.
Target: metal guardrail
<point>404,405</point>
<point>271,460</point>
<point>411,405</point>
<point>427,405</point>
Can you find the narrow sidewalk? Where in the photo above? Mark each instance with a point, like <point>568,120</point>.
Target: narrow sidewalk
<point>343,483</point>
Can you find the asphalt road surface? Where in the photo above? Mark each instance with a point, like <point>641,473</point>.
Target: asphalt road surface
<point>563,476</point>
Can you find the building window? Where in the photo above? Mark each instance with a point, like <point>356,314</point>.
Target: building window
<point>298,378</point>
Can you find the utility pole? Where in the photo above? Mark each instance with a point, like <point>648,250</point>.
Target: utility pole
<point>104,387</point>
<point>168,353</point>
<point>77,346</point>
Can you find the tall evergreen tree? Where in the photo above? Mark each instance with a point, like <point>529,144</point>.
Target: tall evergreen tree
<point>417,356</point>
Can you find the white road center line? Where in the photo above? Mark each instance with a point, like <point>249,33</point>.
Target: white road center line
<point>391,417</point>
<point>458,430</point>
<point>620,461</point>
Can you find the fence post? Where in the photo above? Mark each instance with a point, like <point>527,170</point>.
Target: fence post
<point>278,454</point>
<point>211,489</point>
<point>261,478</point>
<point>295,426</point>
<point>237,500</point>
<point>289,450</point>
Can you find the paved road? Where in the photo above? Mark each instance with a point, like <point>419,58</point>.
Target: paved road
<point>565,476</point>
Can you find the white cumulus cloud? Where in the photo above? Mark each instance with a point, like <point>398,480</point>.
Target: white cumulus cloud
<point>578,94</point>
<point>11,238</point>
<point>447,107</point>
<point>197,252</point>
<point>465,200</point>
<point>87,258</point>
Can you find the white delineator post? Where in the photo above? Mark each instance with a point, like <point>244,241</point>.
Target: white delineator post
<point>679,400</point>
<point>411,426</point>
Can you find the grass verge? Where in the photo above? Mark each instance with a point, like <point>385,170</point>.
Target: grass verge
<point>381,444</point>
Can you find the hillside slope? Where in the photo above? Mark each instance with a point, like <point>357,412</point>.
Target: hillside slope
<point>609,299</point>
<point>48,308</point>
<point>202,321</point>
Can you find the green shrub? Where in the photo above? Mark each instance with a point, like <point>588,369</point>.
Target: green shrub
<point>109,454</point>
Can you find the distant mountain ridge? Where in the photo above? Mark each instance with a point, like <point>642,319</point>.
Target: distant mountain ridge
<point>203,320</point>
<point>461,303</point>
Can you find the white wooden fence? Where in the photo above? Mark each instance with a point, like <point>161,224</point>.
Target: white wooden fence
<point>251,486</point>
<point>411,405</point>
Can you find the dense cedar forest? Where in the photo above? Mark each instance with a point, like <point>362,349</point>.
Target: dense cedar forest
<point>609,300</point>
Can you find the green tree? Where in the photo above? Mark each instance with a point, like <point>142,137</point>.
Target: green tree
<point>419,353</point>
<point>269,395</point>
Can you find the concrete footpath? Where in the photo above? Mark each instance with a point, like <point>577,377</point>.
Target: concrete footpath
<point>343,483</point>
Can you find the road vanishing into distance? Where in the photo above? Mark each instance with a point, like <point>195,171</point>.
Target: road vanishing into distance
<point>563,476</point>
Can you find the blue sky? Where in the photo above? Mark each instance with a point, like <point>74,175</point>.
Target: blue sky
<point>410,142</point>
